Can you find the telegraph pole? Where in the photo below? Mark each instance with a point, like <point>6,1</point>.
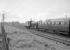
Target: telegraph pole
<point>4,35</point>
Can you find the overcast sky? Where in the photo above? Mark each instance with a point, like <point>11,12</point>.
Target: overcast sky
<point>23,10</point>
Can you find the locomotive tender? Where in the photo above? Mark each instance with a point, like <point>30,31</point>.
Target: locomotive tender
<point>57,26</point>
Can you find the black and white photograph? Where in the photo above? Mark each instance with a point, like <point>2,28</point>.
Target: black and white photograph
<point>34,24</point>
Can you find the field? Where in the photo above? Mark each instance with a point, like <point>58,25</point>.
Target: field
<point>22,39</point>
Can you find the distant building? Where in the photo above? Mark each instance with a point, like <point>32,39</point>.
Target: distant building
<point>60,21</point>
<point>15,22</point>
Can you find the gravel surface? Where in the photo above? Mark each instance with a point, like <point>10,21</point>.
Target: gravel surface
<point>24,41</point>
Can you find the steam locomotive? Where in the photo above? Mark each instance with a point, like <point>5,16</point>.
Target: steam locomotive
<point>52,26</point>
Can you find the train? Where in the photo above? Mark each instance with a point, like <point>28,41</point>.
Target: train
<point>56,26</point>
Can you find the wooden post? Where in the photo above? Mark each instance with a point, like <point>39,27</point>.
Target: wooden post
<point>4,38</point>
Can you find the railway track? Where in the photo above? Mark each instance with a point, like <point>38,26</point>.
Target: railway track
<point>63,40</point>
